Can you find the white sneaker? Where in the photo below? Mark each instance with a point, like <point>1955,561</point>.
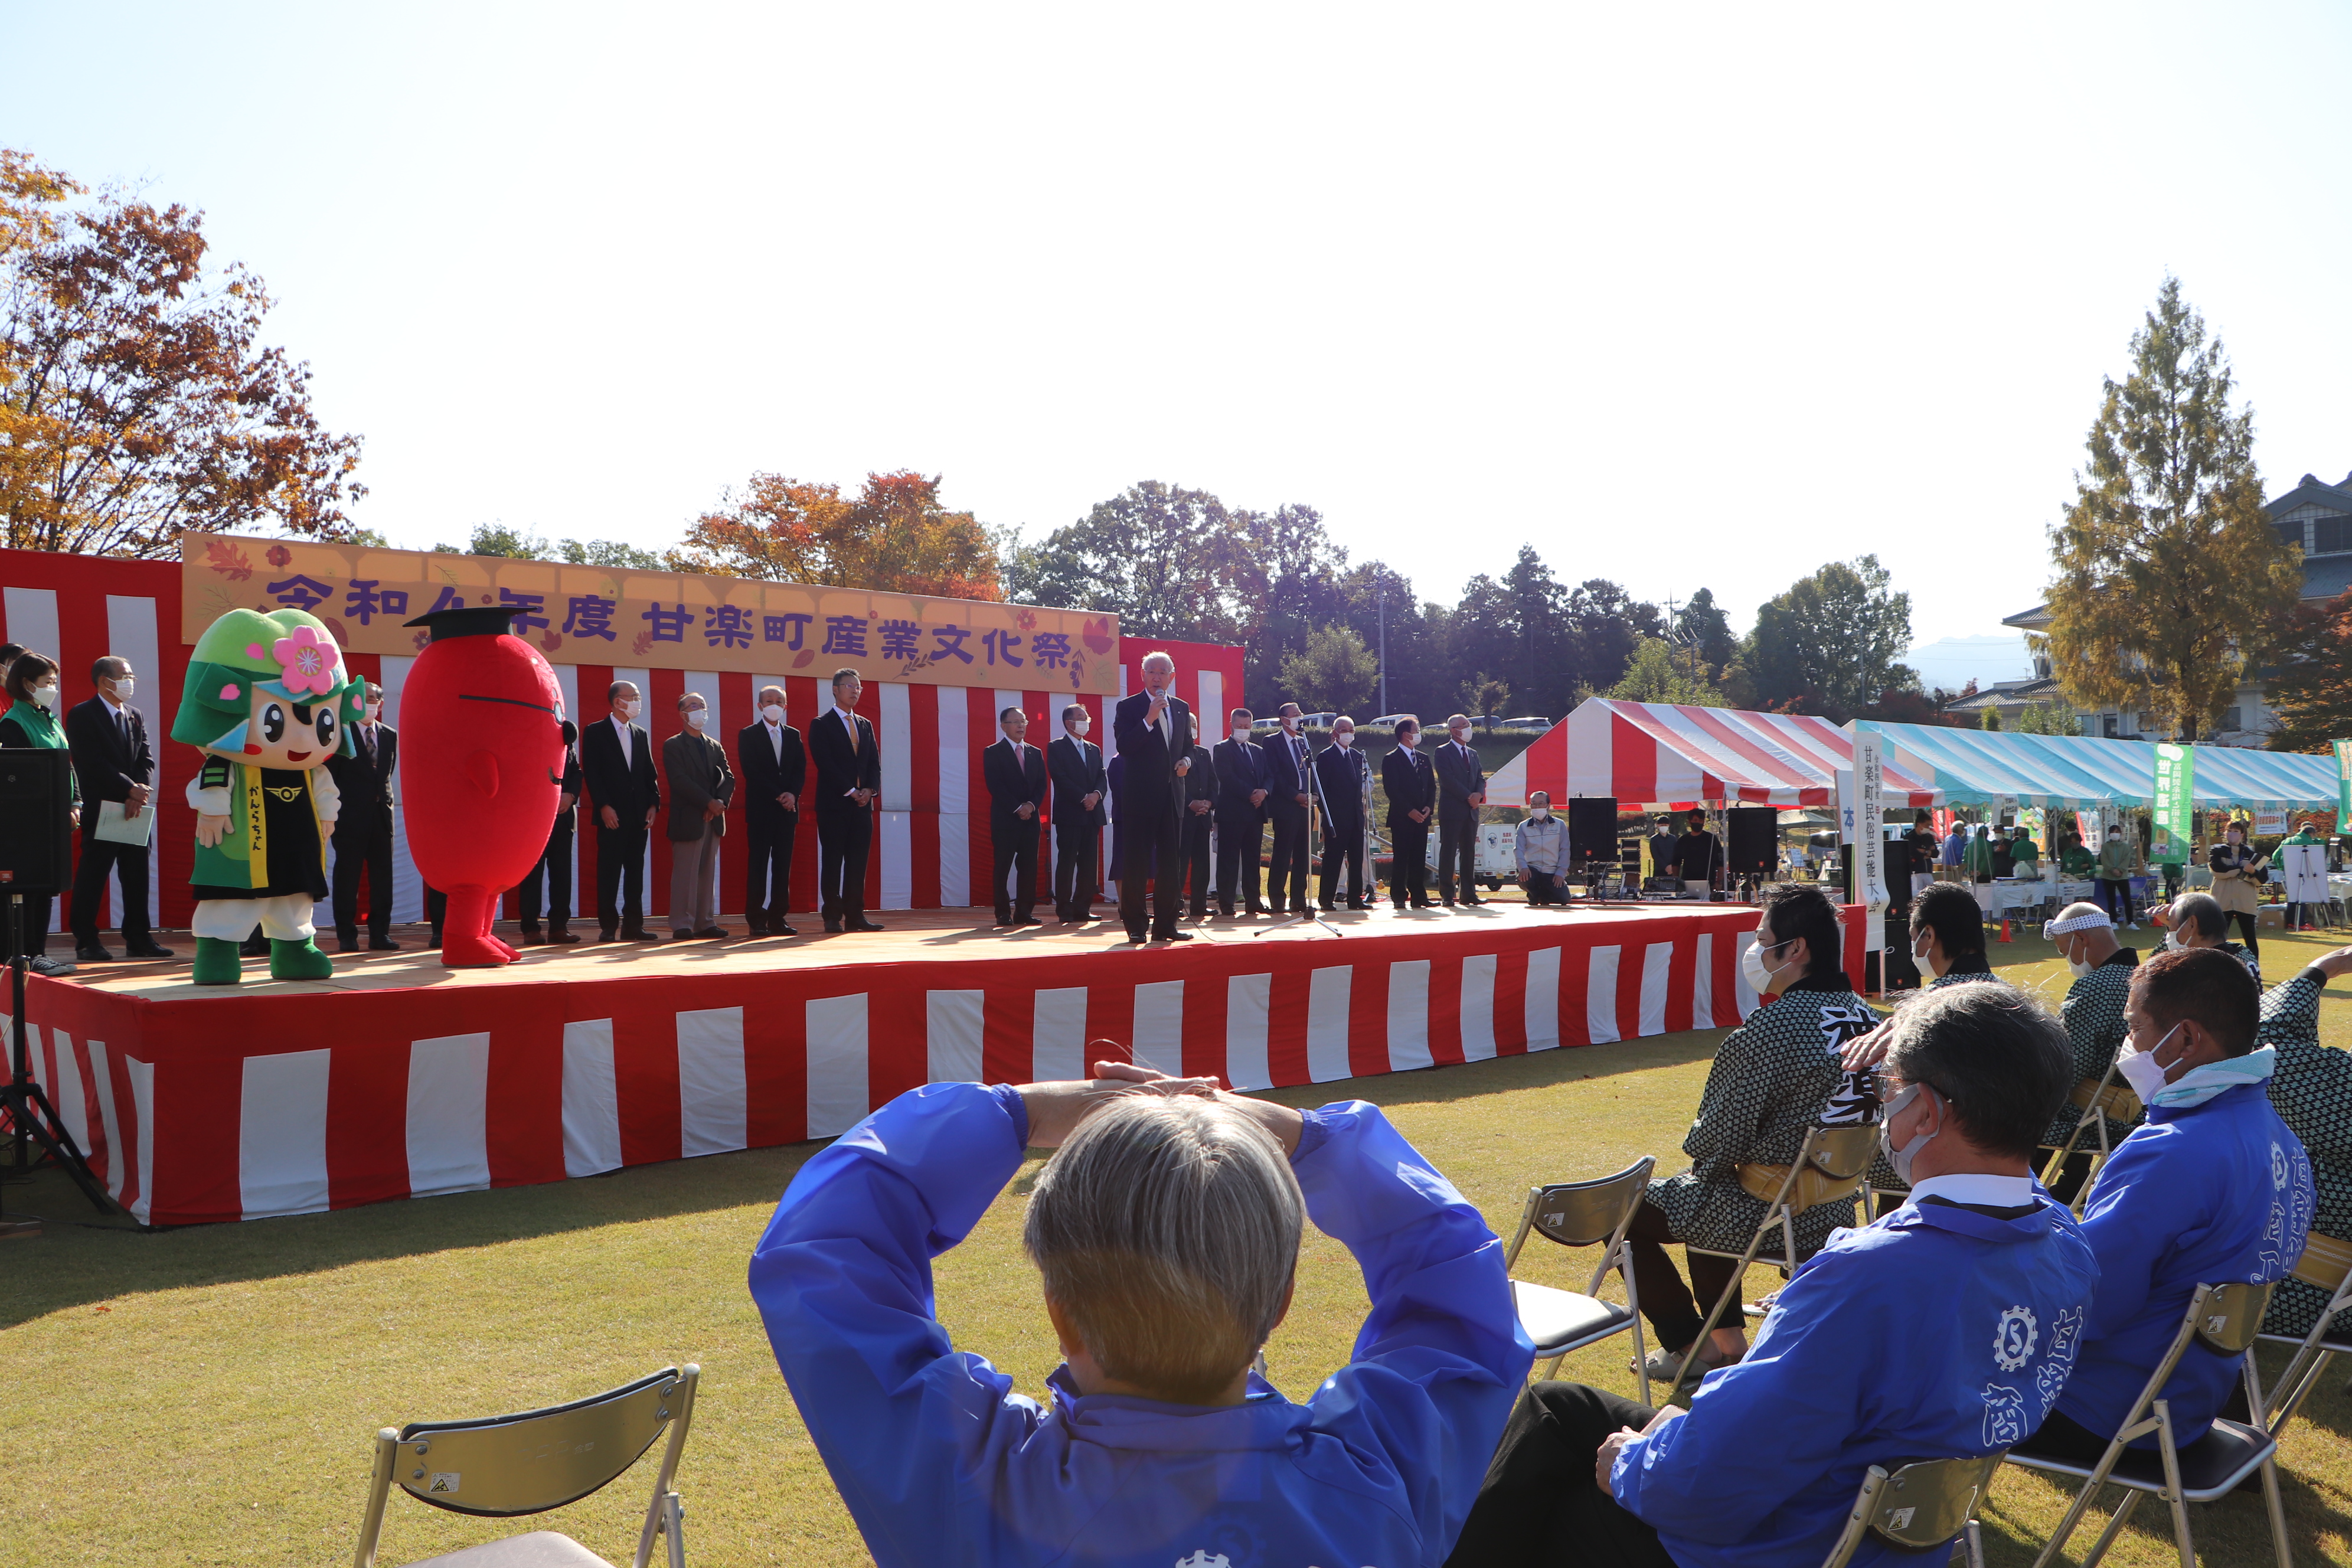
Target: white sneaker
<point>1665,1365</point>
<point>2131,926</point>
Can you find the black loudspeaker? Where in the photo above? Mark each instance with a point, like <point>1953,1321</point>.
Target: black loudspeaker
<point>35,847</point>
<point>1755,835</point>
<point>1592,829</point>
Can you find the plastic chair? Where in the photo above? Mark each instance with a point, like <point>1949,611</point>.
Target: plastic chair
<point>2224,1319</point>
<point>508,1465</point>
<point>2323,1256</point>
<point>1583,1214</point>
<point>1840,1154</point>
<point>1920,1507</point>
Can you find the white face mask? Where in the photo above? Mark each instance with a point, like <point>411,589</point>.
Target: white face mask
<point>46,696</point>
<point>1902,1159</point>
<point>2079,967</point>
<point>124,686</point>
<point>773,712</point>
<point>375,713</point>
<point>1542,814</point>
<point>697,717</point>
<point>1290,726</point>
<point>2139,1068</point>
<point>1919,948</point>
<point>1082,727</point>
<point>629,709</point>
<point>1760,975</point>
<point>1459,737</point>
<point>1241,733</point>
<point>1344,739</point>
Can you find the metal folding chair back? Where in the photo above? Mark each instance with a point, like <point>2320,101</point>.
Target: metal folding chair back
<point>1919,1506</point>
<point>2221,1319</point>
<point>1843,1155</point>
<point>505,1466</point>
<point>2092,1117</point>
<point>1583,1214</point>
<point>2315,1350</point>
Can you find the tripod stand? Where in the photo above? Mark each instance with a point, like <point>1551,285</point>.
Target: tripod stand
<point>23,1100</point>
<point>1310,914</point>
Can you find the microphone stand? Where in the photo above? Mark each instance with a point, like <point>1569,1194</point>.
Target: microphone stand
<point>1312,913</point>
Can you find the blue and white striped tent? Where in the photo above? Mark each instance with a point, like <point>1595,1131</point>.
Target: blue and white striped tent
<point>1979,767</point>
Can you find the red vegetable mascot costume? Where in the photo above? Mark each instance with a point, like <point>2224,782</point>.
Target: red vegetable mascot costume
<point>481,750</point>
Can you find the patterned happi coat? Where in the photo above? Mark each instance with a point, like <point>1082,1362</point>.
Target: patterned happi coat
<point>2310,1089</point>
<point>1774,1077</point>
<point>2094,1013</point>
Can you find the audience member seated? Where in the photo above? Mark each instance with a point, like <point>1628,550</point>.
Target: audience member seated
<point>2093,1010</point>
<point>2310,1089</point>
<point>2211,1189</point>
<point>2197,920</point>
<point>1945,1329</point>
<point>1947,936</point>
<point>1167,1230</point>
<point>1774,1077</point>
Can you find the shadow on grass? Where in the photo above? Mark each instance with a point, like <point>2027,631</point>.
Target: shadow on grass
<point>1537,1069</point>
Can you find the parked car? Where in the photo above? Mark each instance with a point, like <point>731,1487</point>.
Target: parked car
<point>1529,724</point>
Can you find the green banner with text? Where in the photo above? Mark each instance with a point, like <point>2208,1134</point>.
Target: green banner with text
<point>2176,768</point>
<point>2343,782</point>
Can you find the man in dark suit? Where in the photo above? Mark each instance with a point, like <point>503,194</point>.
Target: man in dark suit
<point>616,760</point>
<point>1411,785</point>
<point>1197,850</point>
<point>774,768</point>
<point>848,776</point>
<point>1290,794</point>
<point>1666,849</point>
<point>1461,791</point>
<point>111,761</point>
<point>1345,781</point>
<point>1076,765</point>
<point>363,828</point>
<point>1153,730</point>
<point>554,867</point>
<point>1014,772</point>
<point>1697,855</point>
<point>1241,813</point>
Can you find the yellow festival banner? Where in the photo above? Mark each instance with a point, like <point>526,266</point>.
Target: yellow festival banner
<point>666,620</point>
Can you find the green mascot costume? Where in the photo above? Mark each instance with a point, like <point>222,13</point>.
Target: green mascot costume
<point>268,702</point>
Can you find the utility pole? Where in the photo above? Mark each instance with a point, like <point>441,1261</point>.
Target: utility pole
<point>1384,646</point>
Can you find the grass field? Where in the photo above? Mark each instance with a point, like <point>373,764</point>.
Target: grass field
<point>209,1394</point>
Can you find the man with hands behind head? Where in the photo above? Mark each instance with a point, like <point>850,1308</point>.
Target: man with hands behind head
<point>1166,1230</point>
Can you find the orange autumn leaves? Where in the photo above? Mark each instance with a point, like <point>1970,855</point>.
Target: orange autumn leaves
<point>893,535</point>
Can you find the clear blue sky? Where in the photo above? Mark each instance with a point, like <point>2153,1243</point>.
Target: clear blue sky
<point>1703,294</point>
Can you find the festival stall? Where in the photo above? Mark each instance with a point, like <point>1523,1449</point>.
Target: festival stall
<point>2082,773</point>
<point>1656,754</point>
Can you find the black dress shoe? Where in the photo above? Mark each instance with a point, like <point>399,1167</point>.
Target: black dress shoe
<point>1174,936</point>
<point>778,927</point>
<point>713,934</point>
<point>91,952</point>
<point>559,937</point>
<point>382,944</point>
<point>347,943</point>
<point>637,933</point>
<point>149,950</point>
<point>863,924</point>
<point>531,936</point>
<point>756,928</point>
<point>606,933</point>
<point>1028,920</point>
<point>832,926</point>
<point>258,946</point>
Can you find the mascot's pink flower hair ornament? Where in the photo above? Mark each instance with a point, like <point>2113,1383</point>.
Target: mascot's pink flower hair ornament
<point>310,661</point>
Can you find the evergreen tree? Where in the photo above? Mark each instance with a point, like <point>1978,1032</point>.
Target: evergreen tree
<point>1661,673</point>
<point>2170,580</point>
<point>1829,644</point>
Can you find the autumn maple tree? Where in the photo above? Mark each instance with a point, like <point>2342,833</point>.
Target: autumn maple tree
<point>136,400</point>
<point>892,536</point>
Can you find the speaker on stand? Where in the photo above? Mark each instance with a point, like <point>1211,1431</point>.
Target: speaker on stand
<point>1592,839</point>
<point>1752,852</point>
<point>35,856</point>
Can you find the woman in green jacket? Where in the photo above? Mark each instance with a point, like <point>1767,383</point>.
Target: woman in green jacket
<point>31,723</point>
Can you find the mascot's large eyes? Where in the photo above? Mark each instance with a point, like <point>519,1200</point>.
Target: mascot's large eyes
<point>326,728</point>
<point>273,723</point>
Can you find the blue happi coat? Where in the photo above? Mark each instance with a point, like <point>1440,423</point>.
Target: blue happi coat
<point>2199,1194</point>
<point>942,1463</point>
<point>1934,1333</point>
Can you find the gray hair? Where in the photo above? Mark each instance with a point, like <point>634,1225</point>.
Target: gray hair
<point>2202,909</point>
<point>1167,1231</point>
<point>1073,711</point>
<point>686,700</point>
<point>1159,657</point>
<point>108,667</point>
<point>1995,1053</point>
<point>1542,794</point>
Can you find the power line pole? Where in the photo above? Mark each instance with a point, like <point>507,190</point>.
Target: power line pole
<point>1384,646</point>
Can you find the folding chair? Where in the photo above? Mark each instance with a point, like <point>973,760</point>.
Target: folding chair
<point>508,1465</point>
<point>2327,1263</point>
<point>1583,1214</point>
<point>2225,1318</point>
<point>2108,1097</point>
<point>1830,1166</point>
<point>1920,1507</point>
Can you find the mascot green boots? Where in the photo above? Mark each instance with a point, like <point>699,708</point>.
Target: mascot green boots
<point>268,702</point>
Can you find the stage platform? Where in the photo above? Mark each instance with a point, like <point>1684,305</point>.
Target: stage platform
<point>399,1078</point>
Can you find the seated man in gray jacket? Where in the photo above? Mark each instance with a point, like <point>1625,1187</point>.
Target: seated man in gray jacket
<point>1541,846</point>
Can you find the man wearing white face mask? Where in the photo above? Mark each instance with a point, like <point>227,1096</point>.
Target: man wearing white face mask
<point>362,836</point>
<point>701,788</point>
<point>1243,781</point>
<point>616,762</point>
<point>1344,784</point>
<point>111,761</point>
<point>1076,766</point>
<point>774,766</point>
<point>2196,919</point>
<point>2094,1011</point>
<point>1540,846</point>
<point>1852,1367</point>
<point>2214,1189</point>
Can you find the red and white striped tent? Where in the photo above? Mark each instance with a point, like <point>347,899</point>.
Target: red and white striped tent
<point>1663,755</point>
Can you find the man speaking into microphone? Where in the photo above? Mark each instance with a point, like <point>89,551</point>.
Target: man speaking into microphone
<point>1153,730</point>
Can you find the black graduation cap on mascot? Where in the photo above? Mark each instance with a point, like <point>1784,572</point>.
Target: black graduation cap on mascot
<point>468,620</point>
